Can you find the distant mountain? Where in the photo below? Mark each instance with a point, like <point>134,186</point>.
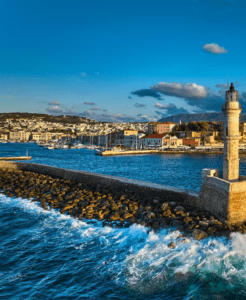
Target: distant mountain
<point>209,117</point>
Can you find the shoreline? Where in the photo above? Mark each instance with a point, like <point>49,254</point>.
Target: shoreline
<point>112,205</point>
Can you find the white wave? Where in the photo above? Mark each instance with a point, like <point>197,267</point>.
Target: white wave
<point>141,258</point>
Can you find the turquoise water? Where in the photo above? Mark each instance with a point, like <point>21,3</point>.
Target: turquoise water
<point>46,255</point>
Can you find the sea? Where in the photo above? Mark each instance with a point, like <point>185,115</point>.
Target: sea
<point>47,255</point>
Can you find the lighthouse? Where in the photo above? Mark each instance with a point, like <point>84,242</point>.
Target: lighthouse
<point>231,110</point>
<point>225,197</point>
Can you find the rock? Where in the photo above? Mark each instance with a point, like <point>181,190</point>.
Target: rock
<point>172,204</point>
<point>164,206</point>
<point>191,226</point>
<point>155,201</point>
<point>187,220</point>
<point>151,215</point>
<point>211,230</point>
<point>199,234</point>
<point>180,208</point>
<point>167,213</point>
<point>115,217</point>
<point>127,215</point>
<point>202,223</point>
<point>179,212</point>
<point>172,245</point>
<point>176,223</point>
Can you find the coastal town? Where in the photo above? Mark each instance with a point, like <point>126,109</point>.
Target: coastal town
<point>75,132</point>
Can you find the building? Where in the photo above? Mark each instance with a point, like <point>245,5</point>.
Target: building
<point>191,142</point>
<point>46,136</point>
<point>22,136</point>
<point>225,197</point>
<point>159,128</point>
<point>35,136</point>
<point>171,141</point>
<point>242,128</point>
<point>124,137</point>
<point>134,141</point>
<point>154,140</point>
<point>4,136</point>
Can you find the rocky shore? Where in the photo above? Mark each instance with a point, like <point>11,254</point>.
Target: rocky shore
<point>111,205</point>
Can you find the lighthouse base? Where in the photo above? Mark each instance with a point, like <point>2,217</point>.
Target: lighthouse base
<point>225,200</point>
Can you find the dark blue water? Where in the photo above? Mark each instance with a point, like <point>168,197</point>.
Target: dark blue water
<point>169,169</point>
<point>45,255</point>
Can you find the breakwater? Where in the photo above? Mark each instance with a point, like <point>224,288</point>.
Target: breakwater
<point>115,201</point>
<point>139,152</point>
<point>16,158</point>
<point>174,151</point>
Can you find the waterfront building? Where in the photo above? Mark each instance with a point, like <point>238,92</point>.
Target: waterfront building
<point>124,137</point>
<point>46,136</point>
<point>22,136</point>
<point>35,136</point>
<point>171,141</point>
<point>160,127</point>
<point>191,142</point>
<point>154,140</point>
<point>4,136</point>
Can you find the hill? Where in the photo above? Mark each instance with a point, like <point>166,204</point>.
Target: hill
<point>46,118</point>
<point>209,117</point>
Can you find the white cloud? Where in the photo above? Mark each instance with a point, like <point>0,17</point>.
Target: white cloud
<point>159,105</point>
<point>214,48</point>
<point>54,110</point>
<point>185,90</point>
<point>83,74</point>
<point>145,118</point>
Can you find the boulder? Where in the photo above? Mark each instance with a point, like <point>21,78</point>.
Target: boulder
<point>115,217</point>
<point>199,234</point>
<point>127,215</point>
<point>202,223</point>
<point>167,213</point>
<point>164,206</point>
<point>211,230</point>
<point>180,208</point>
<point>172,204</point>
<point>151,215</point>
<point>172,245</point>
<point>187,220</point>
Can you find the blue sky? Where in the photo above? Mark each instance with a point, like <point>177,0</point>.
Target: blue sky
<point>120,60</point>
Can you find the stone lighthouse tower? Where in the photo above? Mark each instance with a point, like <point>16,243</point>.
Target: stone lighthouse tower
<point>231,109</point>
<point>226,197</point>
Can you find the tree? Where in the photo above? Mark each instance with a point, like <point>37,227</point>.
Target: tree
<point>193,126</point>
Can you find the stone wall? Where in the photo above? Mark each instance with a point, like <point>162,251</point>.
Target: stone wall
<point>153,190</point>
<point>226,200</point>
